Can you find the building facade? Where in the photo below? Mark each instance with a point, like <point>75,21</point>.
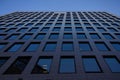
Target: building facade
<point>59,46</point>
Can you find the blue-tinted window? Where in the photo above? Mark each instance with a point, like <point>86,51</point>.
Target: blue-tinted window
<point>45,29</point>
<point>2,45</point>
<point>54,36</point>
<point>118,35</point>
<point>58,24</point>
<point>40,36</point>
<point>87,24</point>
<point>18,66</point>
<point>48,24</point>
<point>101,29</point>
<point>67,46</point>
<point>108,36</point>
<point>67,65</point>
<point>90,29</point>
<point>29,24</point>
<point>32,47</point>
<point>101,46</point>
<point>90,64</point>
<point>3,60</point>
<point>43,65</point>
<point>2,30</point>
<point>2,36</point>
<point>15,47</point>
<point>96,24</point>
<point>50,46</point>
<point>116,46</point>
<point>112,30</point>
<point>33,30</point>
<point>67,36</point>
<point>26,36</point>
<point>38,24</point>
<point>68,24</point>
<point>105,24</point>
<point>94,36</point>
<point>67,29</point>
<point>22,30</point>
<point>11,30</point>
<point>77,24</point>
<point>79,29</point>
<point>84,46</point>
<point>13,37</point>
<point>113,64</point>
<point>56,29</point>
<point>81,36</point>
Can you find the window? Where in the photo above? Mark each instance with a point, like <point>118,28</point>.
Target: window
<point>91,65</point>
<point>58,24</point>
<point>67,36</point>
<point>29,24</point>
<point>112,30</point>
<point>68,24</point>
<point>11,30</point>
<point>2,45</point>
<point>38,24</point>
<point>32,47</point>
<point>116,46</point>
<point>77,24</point>
<point>45,29</point>
<point>81,36</point>
<point>67,29</point>
<point>101,29</point>
<point>13,37</point>
<point>2,36</point>
<point>118,35</point>
<point>87,24</point>
<point>3,60</point>
<point>67,65</point>
<point>79,29</point>
<point>90,29</point>
<point>105,24</point>
<point>42,66</point>
<point>48,24</point>
<point>2,30</point>
<point>54,36</point>
<point>56,29</point>
<point>94,36</point>
<point>84,46</point>
<point>67,46</point>
<point>40,36</point>
<point>50,46</point>
<point>33,29</point>
<point>101,46</point>
<point>113,63</point>
<point>108,36</point>
<point>15,47</point>
<point>96,24</point>
<point>26,37</point>
<point>18,66</point>
<point>22,30</point>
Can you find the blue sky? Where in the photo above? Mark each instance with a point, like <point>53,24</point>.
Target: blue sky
<point>8,6</point>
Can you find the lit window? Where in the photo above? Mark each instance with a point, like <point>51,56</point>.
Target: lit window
<point>18,66</point>
<point>42,66</point>
<point>67,65</point>
<point>32,47</point>
<point>50,46</point>
<point>113,64</point>
<point>84,46</point>
<point>101,46</point>
<point>91,65</point>
<point>67,36</point>
<point>67,46</point>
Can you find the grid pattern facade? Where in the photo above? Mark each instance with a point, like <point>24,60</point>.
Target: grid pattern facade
<point>59,46</point>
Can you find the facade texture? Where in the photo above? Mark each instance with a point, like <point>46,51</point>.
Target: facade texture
<point>59,46</point>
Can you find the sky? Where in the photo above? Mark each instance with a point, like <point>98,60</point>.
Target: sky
<point>9,6</point>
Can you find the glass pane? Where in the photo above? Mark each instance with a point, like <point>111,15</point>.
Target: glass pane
<point>56,29</point>
<point>26,36</point>
<point>3,60</point>
<point>116,46</point>
<point>108,36</point>
<point>67,65</point>
<point>67,46</point>
<point>40,36</point>
<point>54,36</point>
<point>2,45</point>
<point>45,29</point>
<point>50,47</point>
<point>79,29</point>
<point>90,65</point>
<point>68,29</point>
<point>102,47</point>
<point>94,36</point>
<point>67,36</point>
<point>84,46</point>
<point>13,37</point>
<point>81,36</point>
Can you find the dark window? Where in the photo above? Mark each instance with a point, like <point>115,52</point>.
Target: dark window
<point>67,65</point>
<point>96,24</point>
<point>108,36</point>
<point>90,29</point>
<point>48,24</point>
<point>29,24</point>
<point>113,63</point>
<point>84,46</point>
<point>101,46</point>
<point>11,30</point>
<point>15,47</point>
<point>67,46</point>
<point>112,30</point>
<point>116,46</point>
<point>43,65</point>
<point>81,36</point>
<point>2,45</point>
<point>87,24</point>
<point>13,37</point>
<point>105,24</point>
<point>33,29</point>
<point>67,36</point>
<point>67,29</point>
<point>2,36</point>
<point>2,30</point>
<point>32,47</point>
<point>91,64</point>
<point>68,24</point>
<point>118,35</point>
<point>3,60</point>
<point>45,29</point>
<point>40,36</point>
<point>18,66</point>
<point>54,36</point>
<point>58,24</point>
<point>101,29</point>
<point>22,30</point>
<point>94,36</point>
<point>26,36</point>
<point>79,29</point>
<point>50,46</point>
<point>56,29</point>
<point>77,24</point>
